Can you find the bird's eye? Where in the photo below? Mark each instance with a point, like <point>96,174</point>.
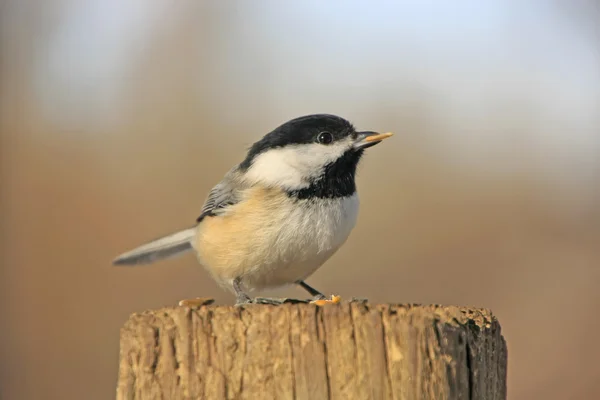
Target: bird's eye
<point>325,138</point>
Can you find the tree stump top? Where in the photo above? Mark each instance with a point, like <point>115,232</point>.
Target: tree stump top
<point>301,351</point>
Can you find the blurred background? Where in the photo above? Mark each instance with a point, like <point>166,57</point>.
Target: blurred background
<point>118,117</point>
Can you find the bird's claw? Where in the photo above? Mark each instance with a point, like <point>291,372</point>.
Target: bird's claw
<point>275,302</point>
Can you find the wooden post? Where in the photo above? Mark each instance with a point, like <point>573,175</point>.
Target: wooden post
<point>301,351</point>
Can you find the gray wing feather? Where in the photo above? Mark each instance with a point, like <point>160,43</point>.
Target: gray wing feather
<point>226,193</point>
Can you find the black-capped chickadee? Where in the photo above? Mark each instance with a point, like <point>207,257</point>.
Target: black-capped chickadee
<point>276,217</point>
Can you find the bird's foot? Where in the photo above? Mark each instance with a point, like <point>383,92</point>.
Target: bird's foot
<point>242,299</point>
<point>274,301</point>
<point>197,302</point>
<point>322,300</point>
<point>319,300</point>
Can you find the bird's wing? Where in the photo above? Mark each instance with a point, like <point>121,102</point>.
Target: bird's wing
<point>226,193</point>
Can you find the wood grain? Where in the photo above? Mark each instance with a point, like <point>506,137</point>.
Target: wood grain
<point>300,351</point>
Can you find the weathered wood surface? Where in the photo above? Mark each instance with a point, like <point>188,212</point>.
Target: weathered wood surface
<point>301,351</point>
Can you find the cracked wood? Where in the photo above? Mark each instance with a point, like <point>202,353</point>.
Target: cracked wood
<point>300,351</point>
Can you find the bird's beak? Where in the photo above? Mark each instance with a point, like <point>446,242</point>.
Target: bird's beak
<point>368,139</point>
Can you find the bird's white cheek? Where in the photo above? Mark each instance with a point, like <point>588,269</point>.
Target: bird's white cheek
<point>293,167</point>
<point>276,167</point>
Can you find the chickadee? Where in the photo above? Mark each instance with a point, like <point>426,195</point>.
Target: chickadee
<point>276,217</point>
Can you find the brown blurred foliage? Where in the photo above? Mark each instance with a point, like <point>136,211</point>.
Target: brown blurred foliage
<point>118,117</point>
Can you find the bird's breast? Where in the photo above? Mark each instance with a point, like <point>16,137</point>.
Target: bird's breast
<point>272,239</point>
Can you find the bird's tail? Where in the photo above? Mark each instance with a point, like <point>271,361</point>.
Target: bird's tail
<point>158,249</point>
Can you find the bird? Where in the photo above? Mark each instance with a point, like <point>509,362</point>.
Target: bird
<point>278,215</point>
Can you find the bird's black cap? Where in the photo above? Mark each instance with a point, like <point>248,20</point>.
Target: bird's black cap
<point>301,130</point>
